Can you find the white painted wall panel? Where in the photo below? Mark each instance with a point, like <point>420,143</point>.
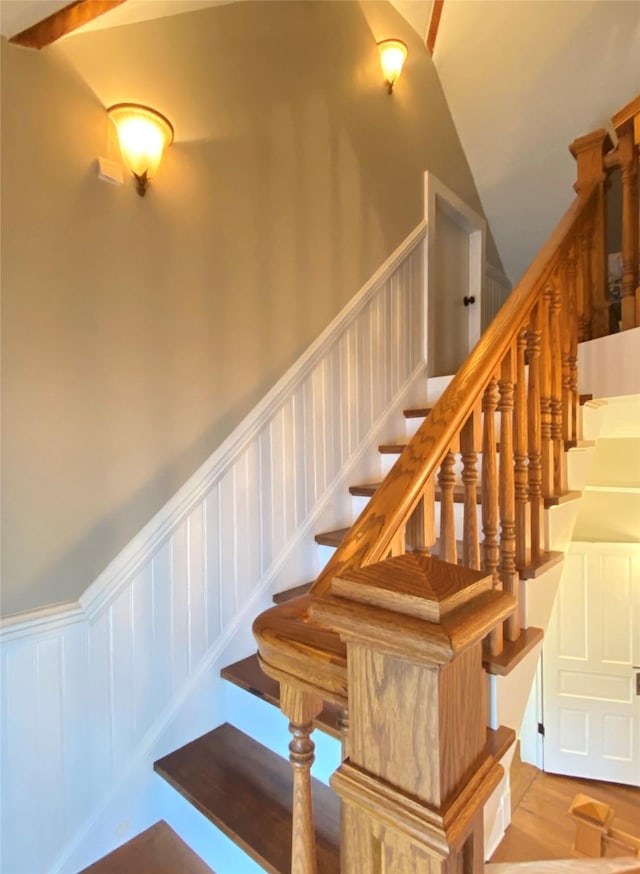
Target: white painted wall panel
<point>93,692</point>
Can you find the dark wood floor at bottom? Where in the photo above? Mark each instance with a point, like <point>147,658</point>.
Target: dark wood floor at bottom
<point>541,827</point>
<point>158,850</point>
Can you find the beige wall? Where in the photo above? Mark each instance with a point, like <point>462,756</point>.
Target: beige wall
<point>136,333</point>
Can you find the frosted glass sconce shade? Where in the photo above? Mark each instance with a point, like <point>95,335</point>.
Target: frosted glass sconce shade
<point>143,134</point>
<point>393,54</point>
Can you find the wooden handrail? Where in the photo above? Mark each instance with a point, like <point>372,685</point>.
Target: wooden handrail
<point>522,373</point>
<point>370,537</point>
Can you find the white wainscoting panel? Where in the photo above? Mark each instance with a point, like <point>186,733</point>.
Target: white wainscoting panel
<point>93,691</point>
<point>497,289</point>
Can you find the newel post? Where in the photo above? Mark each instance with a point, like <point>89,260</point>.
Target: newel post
<point>593,308</point>
<point>627,125</point>
<point>418,772</point>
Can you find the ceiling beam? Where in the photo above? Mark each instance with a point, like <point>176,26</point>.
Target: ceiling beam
<point>434,23</point>
<point>64,21</point>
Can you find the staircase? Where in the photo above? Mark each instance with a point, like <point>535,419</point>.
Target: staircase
<point>233,777</point>
<point>430,606</point>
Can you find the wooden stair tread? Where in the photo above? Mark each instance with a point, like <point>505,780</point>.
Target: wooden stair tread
<point>332,538</point>
<point>248,675</point>
<point>295,592</point>
<point>499,740</point>
<point>366,490</point>
<point>158,850</point>
<point>513,652</point>
<point>246,791</point>
<point>392,448</point>
<point>536,568</point>
<point>417,412</point>
<point>564,498</point>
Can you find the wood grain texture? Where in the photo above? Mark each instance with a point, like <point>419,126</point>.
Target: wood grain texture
<point>546,446</point>
<point>434,24</point>
<point>541,828</point>
<point>301,708</point>
<point>470,445</point>
<point>64,21</point>
<point>520,454</point>
<point>513,652</point>
<point>370,538</point>
<point>421,527</point>
<point>446,482</point>
<point>415,584</point>
<point>534,343</point>
<point>414,639</point>
<point>246,791</point>
<point>158,850</point>
<point>248,675</point>
<point>508,572</point>
<point>630,219</point>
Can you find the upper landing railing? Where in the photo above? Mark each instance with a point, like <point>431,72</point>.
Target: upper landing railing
<point>515,401</point>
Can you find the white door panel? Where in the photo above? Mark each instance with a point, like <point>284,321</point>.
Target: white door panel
<point>591,710</point>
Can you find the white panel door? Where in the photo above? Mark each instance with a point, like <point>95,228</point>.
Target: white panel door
<point>451,345</point>
<point>591,658</point>
<point>455,267</point>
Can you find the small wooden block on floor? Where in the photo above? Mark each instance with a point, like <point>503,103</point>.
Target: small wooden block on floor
<point>158,850</point>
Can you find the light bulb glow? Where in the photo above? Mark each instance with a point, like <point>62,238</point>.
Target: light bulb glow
<point>143,135</point>
<point>393,54</point>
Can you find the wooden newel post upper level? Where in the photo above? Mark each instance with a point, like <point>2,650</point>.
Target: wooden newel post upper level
<point>627,125</point>
<point>589,152</point>
<point>418,773</point>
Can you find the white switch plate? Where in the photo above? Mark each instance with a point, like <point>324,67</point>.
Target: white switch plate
<point>110,171</point>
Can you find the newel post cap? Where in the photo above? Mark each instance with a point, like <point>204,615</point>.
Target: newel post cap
<point>416,606</point>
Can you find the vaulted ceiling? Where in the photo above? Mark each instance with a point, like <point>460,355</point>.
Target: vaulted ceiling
<point>522,80</point>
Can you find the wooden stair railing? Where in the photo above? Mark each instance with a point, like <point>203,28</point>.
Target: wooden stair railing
<point>597,158</point>
<point>523,369</point>
<point>510,374</point>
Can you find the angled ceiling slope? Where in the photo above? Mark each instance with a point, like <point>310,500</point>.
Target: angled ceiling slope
<point>523,80</point>
<point>18,15</point>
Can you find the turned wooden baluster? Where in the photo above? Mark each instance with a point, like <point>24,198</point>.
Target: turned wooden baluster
<point>629,167</point>
<point>399,542</point>
<point>490,547</point>
<point>573,353</point>
<point>535,442</point>
<point>567,318</point>
<point>421,527</point>
<point>342,720</point>
<point>521,460</point>
<point>446,482</point>
<point>585,282</point>
<point>555,342</point>
<point>545,394</point>
<point>508,572</point>
<point>470,445</point>
<point>301,708</point>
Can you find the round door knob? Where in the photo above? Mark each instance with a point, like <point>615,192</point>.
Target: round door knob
<point>468,300</point>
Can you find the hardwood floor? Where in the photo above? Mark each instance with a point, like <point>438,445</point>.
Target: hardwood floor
<point>541,827</point>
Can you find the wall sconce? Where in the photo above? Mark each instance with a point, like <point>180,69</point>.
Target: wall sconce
<point>393,54</point>
<point>143,134</point>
